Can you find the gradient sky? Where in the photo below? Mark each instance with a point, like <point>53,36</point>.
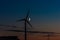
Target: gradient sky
<point>45,14</point>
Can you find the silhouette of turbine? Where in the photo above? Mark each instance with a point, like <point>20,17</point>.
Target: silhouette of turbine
<point>25,23</point>
<point>51,34</point>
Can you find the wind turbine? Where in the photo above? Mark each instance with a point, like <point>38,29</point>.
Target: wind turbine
<point>51,34</point>
<point>25,23</point>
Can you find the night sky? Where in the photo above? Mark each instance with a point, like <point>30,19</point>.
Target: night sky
<point>44,14</point>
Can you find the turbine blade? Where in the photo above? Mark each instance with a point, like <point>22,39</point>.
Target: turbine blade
<point>27,14</point>
<point>51,35</point>
<point>28,23</point>
<point>15,30</point>
<point>23,31</point>
<point>20,20</point>
<point>57,33</point>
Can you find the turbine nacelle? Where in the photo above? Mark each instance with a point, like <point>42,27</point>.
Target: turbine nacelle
<point>26,19</point>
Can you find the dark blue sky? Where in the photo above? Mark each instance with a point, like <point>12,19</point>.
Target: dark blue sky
<point>45,14</point>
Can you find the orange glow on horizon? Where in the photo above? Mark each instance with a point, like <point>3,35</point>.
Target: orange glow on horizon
<point>29,36</point>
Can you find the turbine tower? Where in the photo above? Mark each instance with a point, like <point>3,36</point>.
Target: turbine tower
<point>25,23</point>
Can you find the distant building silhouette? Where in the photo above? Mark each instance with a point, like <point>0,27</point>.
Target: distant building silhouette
<point>8,38</point>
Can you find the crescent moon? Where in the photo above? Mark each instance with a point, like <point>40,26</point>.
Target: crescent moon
<point>29,19</point>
